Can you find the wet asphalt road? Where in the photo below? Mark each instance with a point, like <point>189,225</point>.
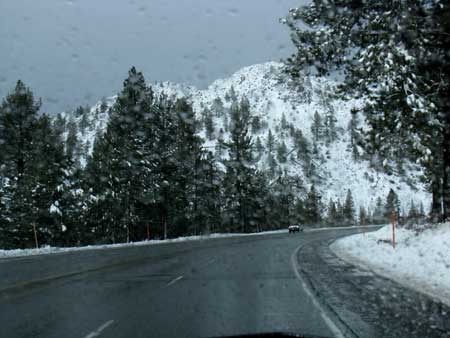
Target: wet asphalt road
<point>209,288</point>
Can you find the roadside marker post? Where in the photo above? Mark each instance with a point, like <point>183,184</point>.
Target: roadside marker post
<point>35,236</point>
<point>393,229</point>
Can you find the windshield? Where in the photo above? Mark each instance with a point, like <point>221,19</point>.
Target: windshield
<point>208,168</point>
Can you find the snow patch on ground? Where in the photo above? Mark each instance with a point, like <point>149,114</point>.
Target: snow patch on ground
<point>420,260</point>
<point>52,250</point>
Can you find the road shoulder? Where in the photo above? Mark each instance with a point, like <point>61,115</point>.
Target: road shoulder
<point>368,304</point>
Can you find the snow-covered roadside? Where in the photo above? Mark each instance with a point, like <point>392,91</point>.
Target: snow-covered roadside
<point>420,260</point>
<point>52,250</point>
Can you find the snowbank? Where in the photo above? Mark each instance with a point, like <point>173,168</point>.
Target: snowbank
<point>420,260</point>
<point>52,250</point>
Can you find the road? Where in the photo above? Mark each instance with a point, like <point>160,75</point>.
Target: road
<point>210,288</point>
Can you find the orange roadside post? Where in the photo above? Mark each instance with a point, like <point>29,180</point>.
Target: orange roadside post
<point>393,229</point>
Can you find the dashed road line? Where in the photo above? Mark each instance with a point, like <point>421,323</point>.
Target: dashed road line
<point>173,281</point>
<point>97,332</point>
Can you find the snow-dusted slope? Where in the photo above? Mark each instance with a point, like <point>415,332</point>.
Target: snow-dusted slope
<point>271,98</point>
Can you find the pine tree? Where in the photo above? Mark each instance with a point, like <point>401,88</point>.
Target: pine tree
<point>231,95</point>
<point>103,105</point>
<point>363,217</point>
<point>239,167</point>
<point>354,136</point>
<point>413,214</point>
<point>283,123</point>
<point>317,127</point>
<point>392,205</point>
<point>312,207</point>
<point>259,149</point>
<point>317,131</point>
<point>270,143</point>
<point>340,213</point>
<point>84,114</point>
<point>220,146</point>
<point>330,126</point>
<point>18,118</point>
<point>272,165</point>
<point>217,107</point>
<point>60,123</point>
<point>256,124</point>
<point>332,215</point>
<point>209,125</point>
<point>189,158</point>
<point>119,159</point>
<point>73,147</point>
<point>379,212</point>
<point>349,209</point>
<point>421,210</point>
<point>282,152</point>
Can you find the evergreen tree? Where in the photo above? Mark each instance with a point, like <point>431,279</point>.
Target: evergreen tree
<point>282,152</point>
<point>354,135</point>
<point>272,165</point>
<point>239,167</point>
<point>363,217</point>
<point>392,204</point>
<point>270,143</point>
<point>340,213</point>
<point>209,125</point>
<point>259,149</point>
<point>413,214</point>
<point>73,147</point>
<point>60,123</point>
<point>330,126</point>
<point>103,105</point>
<point>379,212</point>
<point>231,95</point>
<point>220,146</point>
<point>217,107</point>
<point>312,207</point>
<point>256,124</point>
<point>18,118</point>
<point>332,214</point>
<point>349,209</point>
<point>284,124</point>
<point>119,159</point>
<point>317,127</point>
<point>189,158</point>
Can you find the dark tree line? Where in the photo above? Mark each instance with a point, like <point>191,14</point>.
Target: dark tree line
<point>148,175</point>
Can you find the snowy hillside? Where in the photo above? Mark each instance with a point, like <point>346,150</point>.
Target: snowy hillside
<point>280,109</point>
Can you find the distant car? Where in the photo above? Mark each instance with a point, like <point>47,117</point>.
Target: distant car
<point>295,228</point>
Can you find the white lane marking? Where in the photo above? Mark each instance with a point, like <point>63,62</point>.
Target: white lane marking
<point>97,332</point>
<point>332,326</point>
<point>173,281</point>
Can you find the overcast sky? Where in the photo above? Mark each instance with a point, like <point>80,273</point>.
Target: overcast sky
<point>74,52</point>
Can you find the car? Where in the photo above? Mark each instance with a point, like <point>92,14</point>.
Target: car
<point>295,228</point>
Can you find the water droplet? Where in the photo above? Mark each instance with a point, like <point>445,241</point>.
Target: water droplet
<point>142,9</point>
<point>209,12</point>
<point>233,11</point>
